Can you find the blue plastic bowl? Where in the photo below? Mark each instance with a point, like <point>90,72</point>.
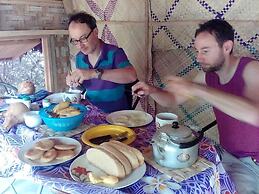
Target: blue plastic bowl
<point>63,124</point>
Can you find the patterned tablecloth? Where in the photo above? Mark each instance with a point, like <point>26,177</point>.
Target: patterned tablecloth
<point>211,180</point>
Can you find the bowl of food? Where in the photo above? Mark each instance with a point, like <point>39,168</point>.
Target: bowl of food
<point>64,116</point>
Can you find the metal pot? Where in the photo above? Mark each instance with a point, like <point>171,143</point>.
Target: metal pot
<point>176,146</point>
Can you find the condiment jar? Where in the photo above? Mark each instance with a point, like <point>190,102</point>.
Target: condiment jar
<point>46,103</point>
<point>27,101</point>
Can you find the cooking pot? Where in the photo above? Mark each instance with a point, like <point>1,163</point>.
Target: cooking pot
<point>176,146</point>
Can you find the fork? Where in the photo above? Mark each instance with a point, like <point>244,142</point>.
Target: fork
<point>220,151</point>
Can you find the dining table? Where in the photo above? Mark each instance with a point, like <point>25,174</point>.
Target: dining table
<point>213,179</point>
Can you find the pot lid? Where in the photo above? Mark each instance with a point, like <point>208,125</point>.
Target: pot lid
<point>177,132</point>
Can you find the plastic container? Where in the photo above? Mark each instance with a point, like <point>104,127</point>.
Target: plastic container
<point>32,119</point>
<point>63,124</point>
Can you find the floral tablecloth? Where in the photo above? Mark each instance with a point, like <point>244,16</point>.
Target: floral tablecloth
<point>211,180</point>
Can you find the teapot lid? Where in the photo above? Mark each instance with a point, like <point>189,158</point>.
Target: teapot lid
<point>177,133</point>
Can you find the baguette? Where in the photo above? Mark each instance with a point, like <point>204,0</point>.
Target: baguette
<point>105,161</point>
<point>119,155</point>
<point>134,150</point>
<point>128,153</point>
<point>139,155</point>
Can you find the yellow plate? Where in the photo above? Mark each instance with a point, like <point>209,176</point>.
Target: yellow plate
<point>103,130</point>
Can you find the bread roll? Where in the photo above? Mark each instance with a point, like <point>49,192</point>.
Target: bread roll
<point>128,153</point>
<point>134,150</point>
<point>105,161</point>
<point>64,146</point>
<point>33,154</point>
<point>119,155</point>
<point>65,154</point>
<point>44,145</point>
<point>26,87</point>
<point>49,155</point>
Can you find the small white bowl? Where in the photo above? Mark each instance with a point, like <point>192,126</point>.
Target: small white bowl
<point>32,119</point>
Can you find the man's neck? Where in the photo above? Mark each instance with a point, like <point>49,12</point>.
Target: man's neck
<point>94,56</point>
<point>228,69</point>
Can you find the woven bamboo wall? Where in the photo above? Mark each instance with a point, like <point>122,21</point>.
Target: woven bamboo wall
<point>173,26</point>
<point>122,23</point>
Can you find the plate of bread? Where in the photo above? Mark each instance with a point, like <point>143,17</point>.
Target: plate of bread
<point>103,133</point>
<point>49,151</point>
<point>123,166</point>
<point>129,118</point>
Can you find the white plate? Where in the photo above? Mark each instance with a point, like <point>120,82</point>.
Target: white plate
<point>56,97</point>
<point>65,140</point>
<point>81,161</point>
<point>129,118</point>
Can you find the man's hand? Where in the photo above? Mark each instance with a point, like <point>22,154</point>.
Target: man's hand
<point>78,76</point>
<point>142,89</point>
<point>179,86</point>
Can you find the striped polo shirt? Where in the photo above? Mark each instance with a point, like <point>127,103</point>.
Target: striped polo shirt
<point>107,96</point>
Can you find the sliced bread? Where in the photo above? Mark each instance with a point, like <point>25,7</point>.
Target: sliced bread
<point>105,161</point>
<point>130,155</point>
<point>119,155</point>
<point>134,150</point>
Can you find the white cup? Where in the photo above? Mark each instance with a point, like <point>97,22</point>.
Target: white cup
<point>165,118</point>
<point>73,96</point>
<point>32,119</point>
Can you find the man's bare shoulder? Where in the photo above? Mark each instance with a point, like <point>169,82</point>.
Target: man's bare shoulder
<point>252,68</point>
<point>251,72</point>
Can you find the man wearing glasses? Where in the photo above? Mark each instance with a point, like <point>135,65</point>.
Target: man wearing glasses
<point>103,69</point>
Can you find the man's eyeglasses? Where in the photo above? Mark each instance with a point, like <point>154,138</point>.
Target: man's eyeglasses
<point>83,39</point>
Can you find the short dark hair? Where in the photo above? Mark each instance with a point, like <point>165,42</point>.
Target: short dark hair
<point>219,28</point>
<point>83,17</point>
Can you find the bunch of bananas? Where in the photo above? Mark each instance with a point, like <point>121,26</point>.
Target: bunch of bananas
<point>63,109</point>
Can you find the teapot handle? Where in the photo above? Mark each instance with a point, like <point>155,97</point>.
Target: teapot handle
<point>194,142</point>
<point>200,135</point>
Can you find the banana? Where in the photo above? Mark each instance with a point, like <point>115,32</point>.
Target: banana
<point>70,114</point>
<point>60,106</point>
<point>66,110</point>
